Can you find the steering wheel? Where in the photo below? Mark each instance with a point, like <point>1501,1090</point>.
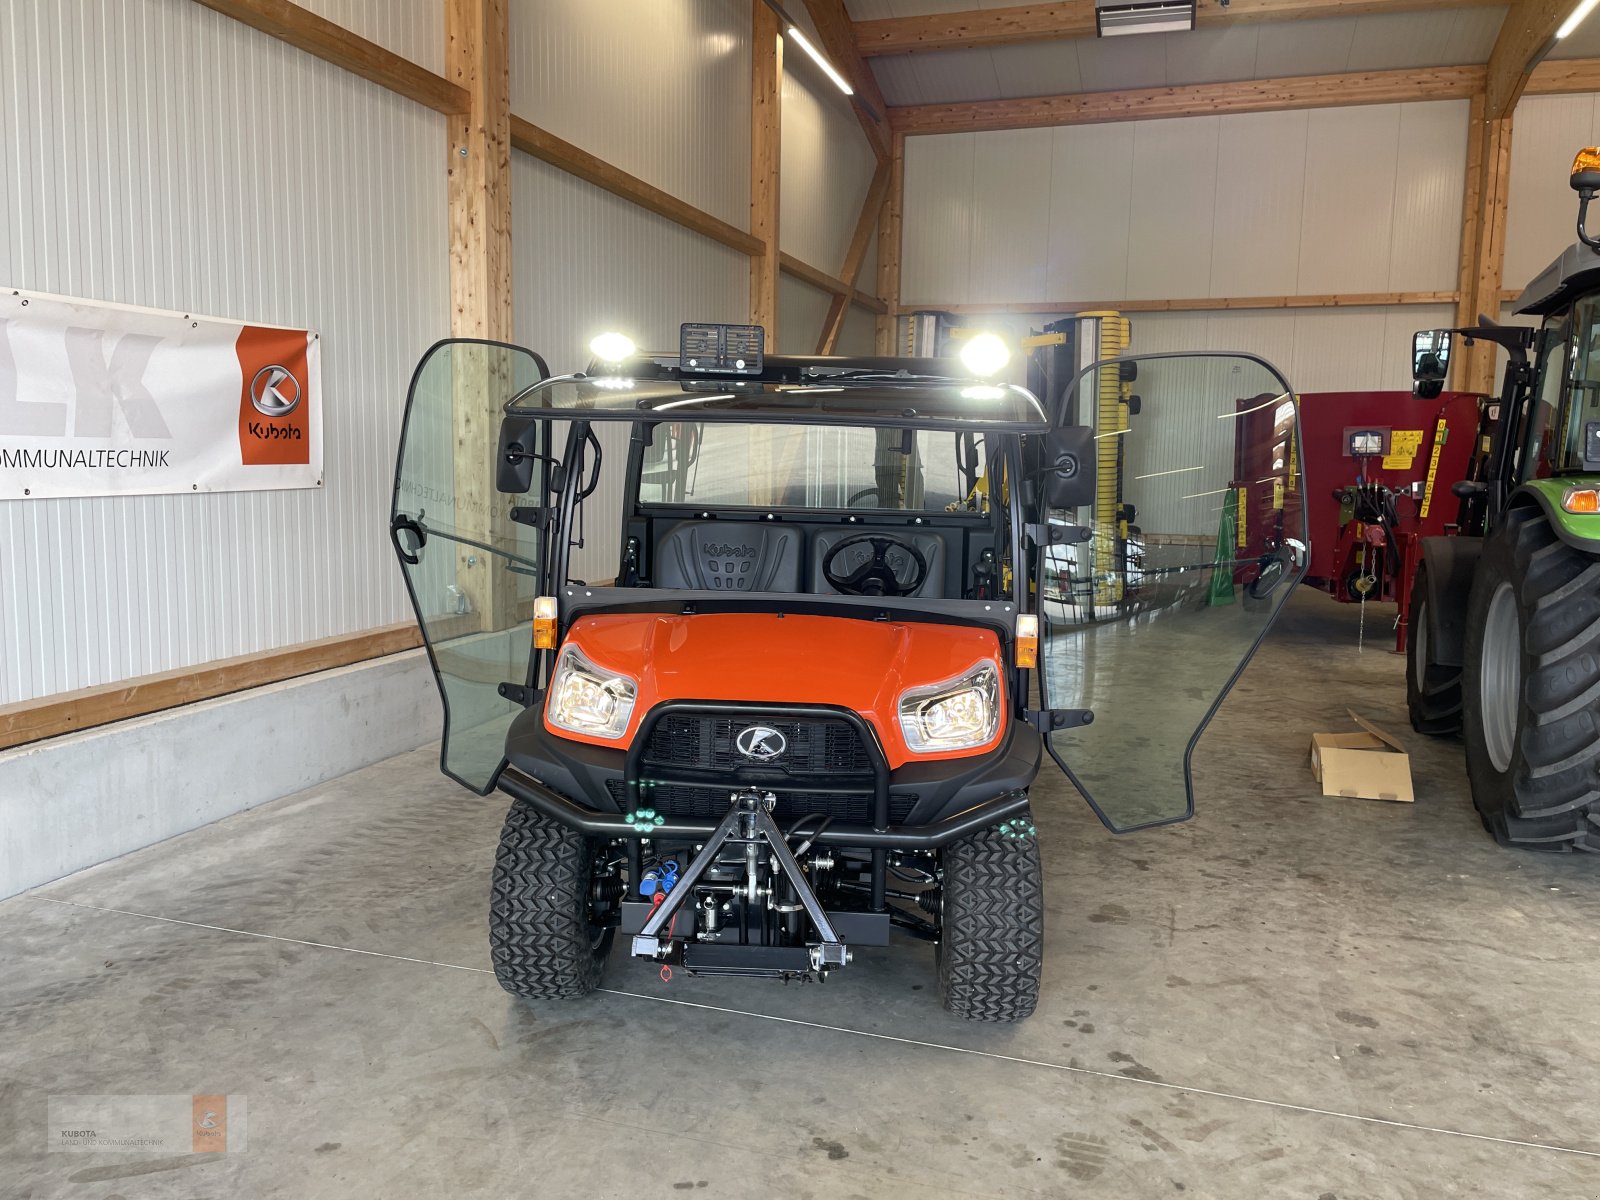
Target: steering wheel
<point>875,577</point>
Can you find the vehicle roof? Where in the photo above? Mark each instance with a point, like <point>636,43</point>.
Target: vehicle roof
<point>914,393</point>
<point>1576,272</point>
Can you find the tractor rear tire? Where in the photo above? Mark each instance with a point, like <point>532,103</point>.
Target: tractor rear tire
<point>1532,686</point>
<point>991,941</point>
<point>543,939</point>
<point>1433,690</point>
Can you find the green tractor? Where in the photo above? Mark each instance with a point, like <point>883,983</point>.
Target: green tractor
<point>1505,616</point>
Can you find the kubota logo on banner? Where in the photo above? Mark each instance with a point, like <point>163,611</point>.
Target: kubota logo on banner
<point>102,399</point>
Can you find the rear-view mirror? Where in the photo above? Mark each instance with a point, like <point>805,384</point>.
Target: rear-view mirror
<point>519,440</point>
<point>1430,362</point>
<point>1069,466</point>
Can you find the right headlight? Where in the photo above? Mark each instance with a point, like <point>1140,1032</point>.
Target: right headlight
<point>957,714</point>
<point>588,699</point>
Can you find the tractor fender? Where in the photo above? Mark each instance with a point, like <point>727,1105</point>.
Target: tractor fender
<point>1581,531</point>
<point>1451,563</point>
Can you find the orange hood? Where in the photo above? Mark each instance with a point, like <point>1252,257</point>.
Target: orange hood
<point>772,659</point>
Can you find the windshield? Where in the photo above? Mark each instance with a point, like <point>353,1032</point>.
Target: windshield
<point>902,401</point>
<point>812,466</point>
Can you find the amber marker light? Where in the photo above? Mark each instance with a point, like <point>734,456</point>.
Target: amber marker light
<point>544,622</point>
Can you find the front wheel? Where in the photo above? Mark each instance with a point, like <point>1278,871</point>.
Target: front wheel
<point>546,939</point>
<point>1531,681</point>
<point>991,941</point>
<point>1433,690</point>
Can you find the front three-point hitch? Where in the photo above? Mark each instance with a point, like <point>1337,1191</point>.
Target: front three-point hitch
<point>748,827</point>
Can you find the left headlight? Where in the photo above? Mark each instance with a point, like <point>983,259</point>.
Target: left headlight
<point>587,699</point>
<point>955,715</point>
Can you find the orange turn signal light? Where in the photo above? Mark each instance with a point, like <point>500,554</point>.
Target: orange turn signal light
<point>1581,500</point>
<point>544,622</point>
<point>1027,640</point>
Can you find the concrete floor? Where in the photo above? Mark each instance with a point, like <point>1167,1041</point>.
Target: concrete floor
<point>1287,997</point>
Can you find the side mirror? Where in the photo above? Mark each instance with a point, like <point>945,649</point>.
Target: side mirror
<point>1068,471</point>
<point>517,455</point>
<point>1430,362</point>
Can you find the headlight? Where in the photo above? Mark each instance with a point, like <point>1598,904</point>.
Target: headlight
<point>955,715</point>
<point>585,698</point>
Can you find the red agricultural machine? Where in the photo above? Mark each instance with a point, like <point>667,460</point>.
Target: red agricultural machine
<point>1378,485</point>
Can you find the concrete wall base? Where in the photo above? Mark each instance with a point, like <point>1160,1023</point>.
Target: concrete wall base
<point>74,801</point>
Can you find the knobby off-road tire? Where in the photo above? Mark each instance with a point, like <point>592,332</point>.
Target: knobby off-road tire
<point>992,942</point>
<point>1532,688</point>
<point>540,936</point>
<point>1433,691</point>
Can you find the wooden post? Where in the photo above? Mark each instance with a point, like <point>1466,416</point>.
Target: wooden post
<point>478,150</point>
<point>1483,239</point>
<point>766,123</point>
<point>889,227</point>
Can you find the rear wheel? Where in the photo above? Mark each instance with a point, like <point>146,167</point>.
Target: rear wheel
<point>1433,691</point>
<point>991,942</point>
<point>544,937</point>
<point>1532,685</point>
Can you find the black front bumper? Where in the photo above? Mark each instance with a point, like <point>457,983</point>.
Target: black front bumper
<point>922,805</point>
<point>895,837</point>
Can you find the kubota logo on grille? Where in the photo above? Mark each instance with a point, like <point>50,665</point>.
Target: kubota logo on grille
<point>761,742</point>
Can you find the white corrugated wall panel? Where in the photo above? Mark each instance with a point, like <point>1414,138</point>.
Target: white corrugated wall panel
<point>1319,350</point>
<point>826,170</point>
<point>801,310</point>
<point>936,233</point>
<point>661,90</point>
<point>1426,247</point>
<point>1169,244</point>
<point>1542,212</point>
<point>412,29</point>
<point>1349,209</point>
<point>1261,160</point>
<point>158,156</point>
<point>1010,224</point>
<point>859,334</point>
<point>584,261</point>
<point>1090,187</point>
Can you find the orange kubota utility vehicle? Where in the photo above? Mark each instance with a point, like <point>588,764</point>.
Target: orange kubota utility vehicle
<point>751,641</point>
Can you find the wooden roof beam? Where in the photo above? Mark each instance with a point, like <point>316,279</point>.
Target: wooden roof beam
<point>1529,33</point>
<point>837,33</point>
<point>1204,99</point>
<point>1075,19</point>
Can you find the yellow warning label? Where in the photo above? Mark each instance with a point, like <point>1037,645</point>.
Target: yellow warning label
<point>1403,447</point>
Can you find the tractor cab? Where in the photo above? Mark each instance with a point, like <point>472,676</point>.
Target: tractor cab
<point>799,628</point>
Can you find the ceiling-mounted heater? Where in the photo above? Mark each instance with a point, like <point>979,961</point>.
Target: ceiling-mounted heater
<point>1112,18</point>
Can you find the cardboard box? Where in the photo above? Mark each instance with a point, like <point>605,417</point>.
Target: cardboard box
<point>1368,764</point>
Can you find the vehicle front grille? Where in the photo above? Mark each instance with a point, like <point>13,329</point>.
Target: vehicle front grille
<point>704,741</point>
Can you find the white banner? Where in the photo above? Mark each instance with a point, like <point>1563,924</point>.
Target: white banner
<point>104,399</point>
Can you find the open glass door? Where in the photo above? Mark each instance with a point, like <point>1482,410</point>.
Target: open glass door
<point>472,572</point>
<point>1195,539</point>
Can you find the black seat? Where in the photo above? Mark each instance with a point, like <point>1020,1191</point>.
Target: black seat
<point>729,556</point>
<point>931,545</point>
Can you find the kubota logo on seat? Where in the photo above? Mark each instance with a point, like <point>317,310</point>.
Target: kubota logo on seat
<point>761,742</point>
<point>726,551</point>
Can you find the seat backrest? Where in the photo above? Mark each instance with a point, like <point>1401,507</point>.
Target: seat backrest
<point>739,556</point>
<point>931,545</point>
